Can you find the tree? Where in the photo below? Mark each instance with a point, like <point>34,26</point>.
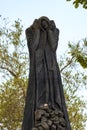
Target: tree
<point>79,53</point>
<point>12,103</point>
<point>73,81</point>
<point>79,56</point>
<point>76,3</point>
<point>14,70</point>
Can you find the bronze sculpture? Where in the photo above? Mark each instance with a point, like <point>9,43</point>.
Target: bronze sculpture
<point>45,91</point>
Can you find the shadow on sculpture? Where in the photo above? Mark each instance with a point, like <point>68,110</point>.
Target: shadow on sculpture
<point>45,107</point>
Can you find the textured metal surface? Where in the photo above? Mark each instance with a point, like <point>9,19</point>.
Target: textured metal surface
<point>45,86</point>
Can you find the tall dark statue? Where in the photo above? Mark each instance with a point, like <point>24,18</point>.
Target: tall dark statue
<point>45,107</point>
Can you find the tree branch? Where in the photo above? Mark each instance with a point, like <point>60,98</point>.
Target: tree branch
<point>68,63</point>
<point>5,68</point>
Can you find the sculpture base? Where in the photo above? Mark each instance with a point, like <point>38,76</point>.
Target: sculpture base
<point>49,119</point>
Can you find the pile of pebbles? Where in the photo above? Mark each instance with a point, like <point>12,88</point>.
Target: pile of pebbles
<point>49,119</point>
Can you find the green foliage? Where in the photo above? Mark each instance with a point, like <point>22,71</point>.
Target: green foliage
<point>73,82</point>
<point>14,71</point>
<point>12,97</point>
<point>11,46</point>
<point>79,53</point>
<point>76,3</point>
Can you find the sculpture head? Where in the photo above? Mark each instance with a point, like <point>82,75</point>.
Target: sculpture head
<point>44,22</point>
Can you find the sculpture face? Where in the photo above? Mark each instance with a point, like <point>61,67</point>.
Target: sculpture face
<point>44,24</point>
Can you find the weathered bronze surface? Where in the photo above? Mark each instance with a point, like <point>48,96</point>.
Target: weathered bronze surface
<point>49,119</point>
<point>45,107</point>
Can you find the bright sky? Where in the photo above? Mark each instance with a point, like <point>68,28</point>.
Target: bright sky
<point>71,22</point>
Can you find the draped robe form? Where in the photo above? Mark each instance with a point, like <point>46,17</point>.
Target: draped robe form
<point>45,86</point>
